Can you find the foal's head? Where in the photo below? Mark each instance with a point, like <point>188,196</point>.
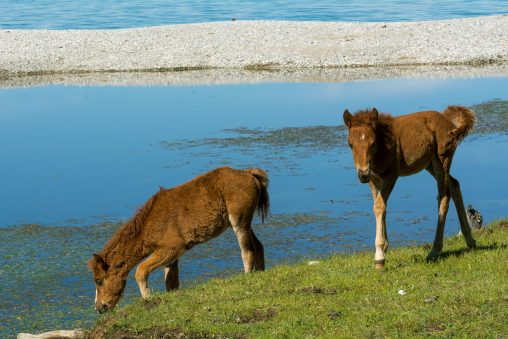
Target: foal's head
<point>109,283</point>
<point>362,140</point>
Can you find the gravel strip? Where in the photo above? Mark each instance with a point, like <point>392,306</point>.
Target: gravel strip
<point>256,46</point>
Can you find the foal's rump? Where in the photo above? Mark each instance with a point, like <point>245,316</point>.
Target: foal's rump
<point>201,208</point>
<point>463,120</point>
<point>244,191</point>
<point>440,131</point>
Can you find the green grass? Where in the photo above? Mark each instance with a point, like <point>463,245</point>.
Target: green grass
<point>463,294</point>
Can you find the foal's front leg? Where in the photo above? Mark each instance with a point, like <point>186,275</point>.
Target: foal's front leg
<point>381,192</point>
<point>171,276</point>
<point>160,257</point>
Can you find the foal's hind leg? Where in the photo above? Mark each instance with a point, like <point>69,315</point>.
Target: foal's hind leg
<point>244,233</point>
<point>441,175</point>
<point>461,212</point>
<point>171,277</point>
<point>259,253</point>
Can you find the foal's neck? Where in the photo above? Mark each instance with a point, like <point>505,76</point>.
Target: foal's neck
<point>124,249</point>
<point>386,144</point>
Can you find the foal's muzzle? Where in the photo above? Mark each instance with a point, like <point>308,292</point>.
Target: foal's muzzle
<point>364,176</point>
<point>102,308</point>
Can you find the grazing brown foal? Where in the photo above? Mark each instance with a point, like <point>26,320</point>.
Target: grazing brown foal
<point>173,221</point>
<point>386,147</point>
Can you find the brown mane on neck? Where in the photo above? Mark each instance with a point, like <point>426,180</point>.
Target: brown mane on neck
<point>131,229</point>
<point>384,126</point>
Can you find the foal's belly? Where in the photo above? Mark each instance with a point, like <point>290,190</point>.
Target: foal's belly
<point>415,153</point>
<point>415,163</point>
<point>412,169</point>
<point>205,230</point>
<point>200,237</point>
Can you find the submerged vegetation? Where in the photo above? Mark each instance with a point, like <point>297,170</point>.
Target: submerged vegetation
<point>320,137</point>
<point>463,294</point>
<point>46,265</point>
<point>492,118</point>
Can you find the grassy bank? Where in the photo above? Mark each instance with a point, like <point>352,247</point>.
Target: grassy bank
<point>464,293</point>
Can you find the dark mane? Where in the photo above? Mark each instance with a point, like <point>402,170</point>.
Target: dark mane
<point>384,126</point>
<point>131,228</point>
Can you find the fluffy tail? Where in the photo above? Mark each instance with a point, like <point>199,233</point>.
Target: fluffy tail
<point>463,119</point>
<point>263,206</point>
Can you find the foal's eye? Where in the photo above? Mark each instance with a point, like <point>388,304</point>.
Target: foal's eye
<point>98,282</point>
<point>350,146</point>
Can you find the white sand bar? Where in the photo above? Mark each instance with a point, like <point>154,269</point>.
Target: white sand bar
<point>239,46</point>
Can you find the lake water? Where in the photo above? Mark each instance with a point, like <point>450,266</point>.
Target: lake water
<point>76,161</point>
<point>101,14</point>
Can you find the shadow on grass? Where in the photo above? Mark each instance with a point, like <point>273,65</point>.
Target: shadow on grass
<point>460,252</point>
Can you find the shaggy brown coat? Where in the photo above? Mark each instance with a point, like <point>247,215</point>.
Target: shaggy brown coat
<point>386,147</point>
<point>174,220</point>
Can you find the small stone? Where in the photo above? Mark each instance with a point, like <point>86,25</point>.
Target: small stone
<point>430,299</point>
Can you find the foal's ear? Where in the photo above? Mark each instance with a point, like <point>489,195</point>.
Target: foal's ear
<point>97,263</point>
<point>373,117</point>
<point>347,118</point>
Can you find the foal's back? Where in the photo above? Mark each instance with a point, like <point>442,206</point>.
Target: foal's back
<point>420,136</point>
<point>198,210</point>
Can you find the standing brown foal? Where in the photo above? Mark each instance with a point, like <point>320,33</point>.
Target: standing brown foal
<point>173,221</point>
<point>386,147</point>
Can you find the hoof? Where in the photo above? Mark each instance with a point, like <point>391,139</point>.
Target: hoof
<point>432,257</point>
<point>471,244</point>
<point>379,264</point>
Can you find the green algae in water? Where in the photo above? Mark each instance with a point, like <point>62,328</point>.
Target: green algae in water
<point>492,117</point>
<point>312,137</point>
<point>44,280</point>
<point>45,283</point>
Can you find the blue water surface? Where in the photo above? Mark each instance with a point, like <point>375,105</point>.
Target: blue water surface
<point>96,153</point>
<point>102,14</point>
<point>75,157</point>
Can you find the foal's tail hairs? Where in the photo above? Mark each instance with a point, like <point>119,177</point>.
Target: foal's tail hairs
<point>463,119</point>
<point>263,206</point>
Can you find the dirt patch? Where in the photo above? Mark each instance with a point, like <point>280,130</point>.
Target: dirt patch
<point>318,290</point>
<point>152,303</point>
<point>257,316</point>
<point>155,333</point>
<point>334,315</point>
<point>433,328</point>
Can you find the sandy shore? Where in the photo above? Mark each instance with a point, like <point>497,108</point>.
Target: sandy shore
<point>255,50</point>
